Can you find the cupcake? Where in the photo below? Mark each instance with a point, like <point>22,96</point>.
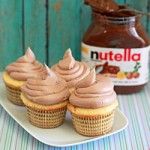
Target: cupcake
<point>46,100</point>
<point>18,72</point>
<point>71,70</point>
<point>92,105</point>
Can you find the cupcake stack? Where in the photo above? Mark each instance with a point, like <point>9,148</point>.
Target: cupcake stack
<point>48,93</point>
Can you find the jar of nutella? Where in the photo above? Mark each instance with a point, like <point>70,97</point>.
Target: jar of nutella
<point>117,44</point>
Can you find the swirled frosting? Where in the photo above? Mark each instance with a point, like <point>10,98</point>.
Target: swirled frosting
<point>93,92</point>
<point>25,67</point>
<point>71,70</point>
<point>48,90</point>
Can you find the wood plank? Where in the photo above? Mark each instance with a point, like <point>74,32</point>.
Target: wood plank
<point>122,2</point>
<point>64,28</point>
<point>10,31</point>
<point>139,5</point>
<point>86,17</point>
<point>148,19</point>
<point>35,27</point>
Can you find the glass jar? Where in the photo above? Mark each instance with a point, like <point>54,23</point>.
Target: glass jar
<point>119,48</point>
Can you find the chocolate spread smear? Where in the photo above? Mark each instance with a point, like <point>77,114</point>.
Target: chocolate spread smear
<point>111,8</point>
<point>103,5</point>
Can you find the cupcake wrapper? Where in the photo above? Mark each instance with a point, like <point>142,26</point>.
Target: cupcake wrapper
<point>93,125</point>
<point>46,118</point>
<point>13,94</point>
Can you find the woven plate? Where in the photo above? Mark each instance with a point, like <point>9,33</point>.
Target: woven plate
<point>65,135</point>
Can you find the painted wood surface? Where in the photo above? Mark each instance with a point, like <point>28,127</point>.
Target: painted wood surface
<point>140,5</point>
<point>148,19</point>
<point>49,27</point>
<point>35,27</point>
<point>64,28</point>
<point>10,31</point>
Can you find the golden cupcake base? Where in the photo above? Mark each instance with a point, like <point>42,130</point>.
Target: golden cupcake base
<point>13,95</point>
<point>45,116</point>
<point>93,122</point>
<point>46,119</point>
<point>93,125</point>
<point>13,89</point>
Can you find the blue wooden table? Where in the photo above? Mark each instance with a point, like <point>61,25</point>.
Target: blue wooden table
<point>136,137</point>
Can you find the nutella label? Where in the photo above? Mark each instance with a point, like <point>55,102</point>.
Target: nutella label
<point>126,67</point>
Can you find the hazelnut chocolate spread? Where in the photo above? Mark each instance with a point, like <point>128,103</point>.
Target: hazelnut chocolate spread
<point>103,5</point>
<point>117,45</point>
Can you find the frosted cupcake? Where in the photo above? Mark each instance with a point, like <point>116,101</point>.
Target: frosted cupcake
<point>93,105</point>
<point>71,70</point>
<point>18,72</point>
<point>46,100</point>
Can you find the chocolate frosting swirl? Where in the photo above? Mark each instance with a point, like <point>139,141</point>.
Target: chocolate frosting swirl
<point>93,92</point>
<point>71,70</point>
<point>25,67</point>
<point>48,90</point>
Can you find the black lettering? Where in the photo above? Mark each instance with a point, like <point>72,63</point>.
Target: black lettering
<point>94,55</point>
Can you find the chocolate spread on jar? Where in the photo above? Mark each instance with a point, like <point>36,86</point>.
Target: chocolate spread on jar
<point>117,45</point>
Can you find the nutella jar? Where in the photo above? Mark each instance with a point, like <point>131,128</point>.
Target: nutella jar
<point>117,45</point>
